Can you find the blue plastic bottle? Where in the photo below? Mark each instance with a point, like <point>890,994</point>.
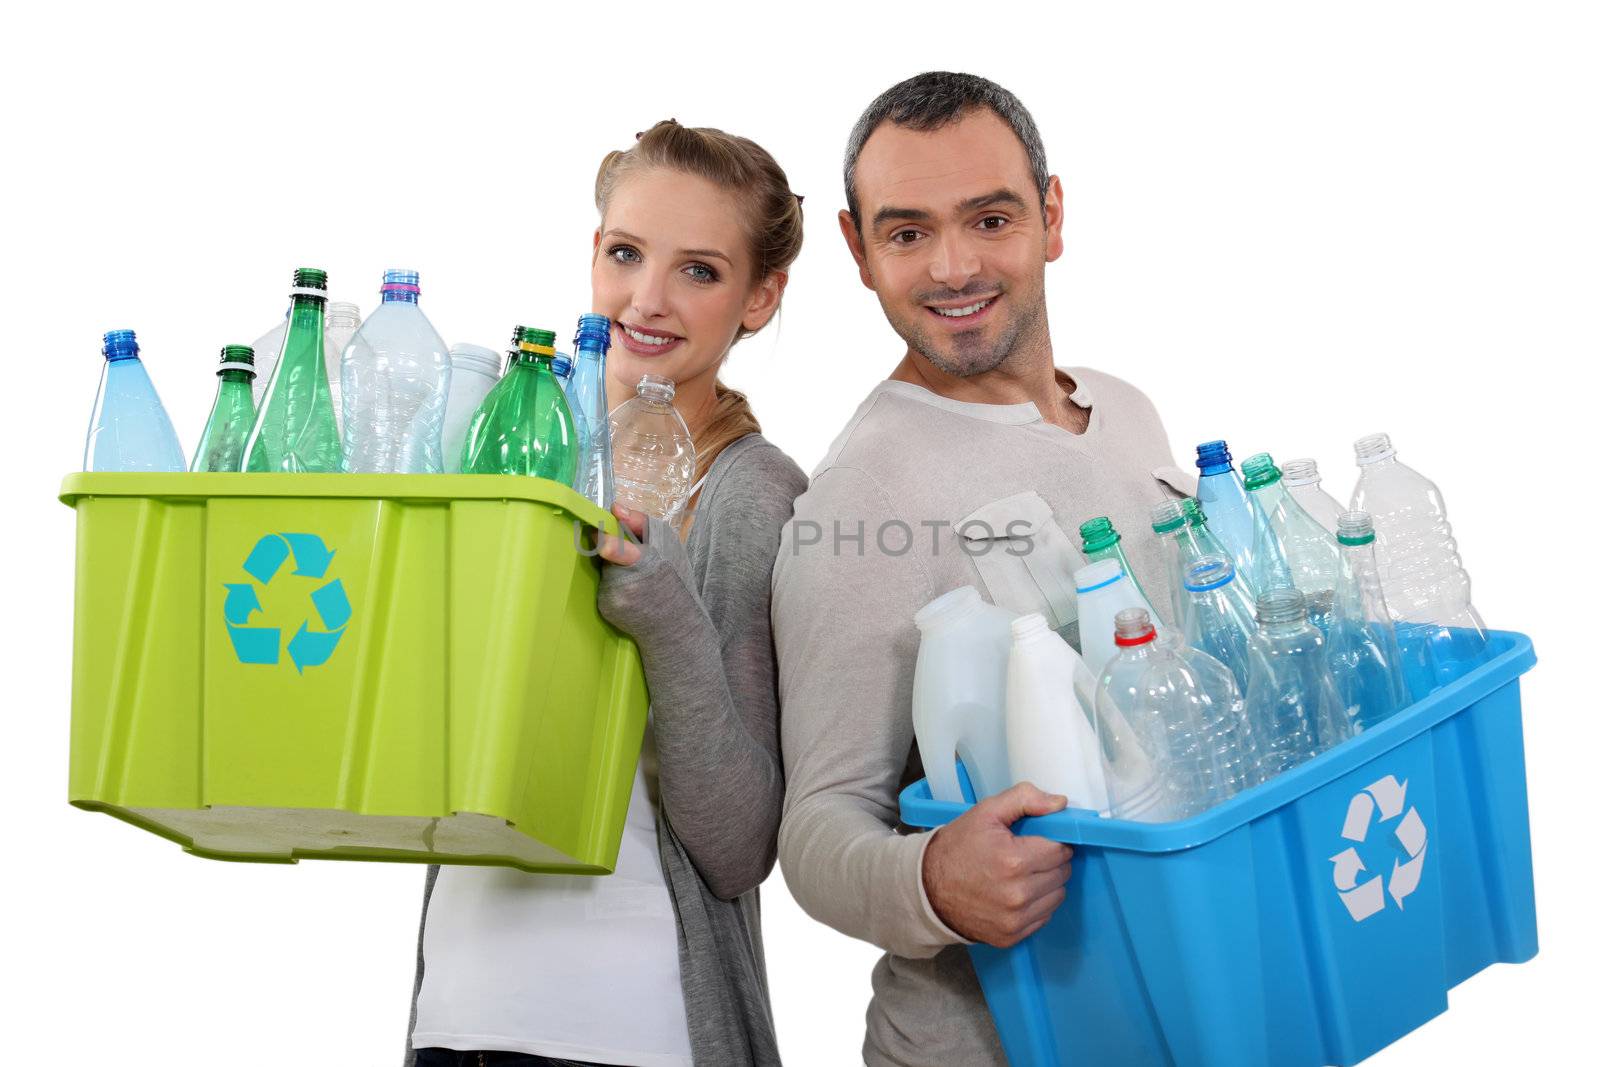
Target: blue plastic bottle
<point>1228,510</point>
<point>129,430</point>
<point>586,396</point>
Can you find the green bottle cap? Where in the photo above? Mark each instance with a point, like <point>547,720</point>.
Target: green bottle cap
<point>310,278</point>
<point>1098,534</point>
<point>1260,471</point>
<point>1193,512</point>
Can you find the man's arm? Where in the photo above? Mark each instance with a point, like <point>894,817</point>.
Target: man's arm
<point>847,648</point>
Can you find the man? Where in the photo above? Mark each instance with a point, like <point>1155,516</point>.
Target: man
<point>967,467</point>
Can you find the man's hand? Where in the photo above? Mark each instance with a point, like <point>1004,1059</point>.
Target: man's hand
<point>990,885</point>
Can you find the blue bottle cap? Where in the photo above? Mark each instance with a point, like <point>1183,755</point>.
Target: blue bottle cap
<point>1212,455</point>
<point>119,344</point>
<point>594,331</point>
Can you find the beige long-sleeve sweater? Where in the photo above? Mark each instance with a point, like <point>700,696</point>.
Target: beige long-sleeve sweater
<point>918,496</point>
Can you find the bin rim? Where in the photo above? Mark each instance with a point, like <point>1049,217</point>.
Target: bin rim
<point>1512,657</point>
<point>411,487</point>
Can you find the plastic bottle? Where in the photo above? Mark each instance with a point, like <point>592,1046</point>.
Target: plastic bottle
<point>1290,539</point>
<point>1294,710</point>
<point>523,425</point>
<point>958,695</point>
<point>1422,576</point>
<point>1304,482</point>
<point>1222,497</point>
<point>1207,544</point>
<point>652,454</point>
<point>1219,620</point>
<point>396,377</point>
<point>129,429</point>
<point>1049,739</point>
<point>1133,752</point>
<point>1192,700</point>
<point>586,392</point>
<point>1102,541</point>
<point>473,372</point>
<point>561,367</point>
<point>295,430</point>
<point>1103,590</point>
<point>1363,655</point>
<point>340,321</point>
<point>233,414</point>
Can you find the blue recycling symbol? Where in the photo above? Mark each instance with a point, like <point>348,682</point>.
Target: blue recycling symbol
<point>330,607</point>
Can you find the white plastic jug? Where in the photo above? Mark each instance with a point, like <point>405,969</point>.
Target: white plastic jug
<point>1049,738</point>
<point>1103,590</point>
<point>958,693</point>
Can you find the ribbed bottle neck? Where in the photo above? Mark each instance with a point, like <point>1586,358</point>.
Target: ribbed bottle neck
<point>953,607</point>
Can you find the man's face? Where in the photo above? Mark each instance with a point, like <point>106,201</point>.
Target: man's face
<point>954,241</point>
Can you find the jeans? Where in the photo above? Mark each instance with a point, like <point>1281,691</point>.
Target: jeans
<point>449,1057</point>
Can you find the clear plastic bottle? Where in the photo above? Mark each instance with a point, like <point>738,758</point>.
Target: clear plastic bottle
<point>1132,749</point>
<point>396,376</point>
<point>1294,711</point>
<point>233,414</point>
<point>958,694</point>
<point>1049,739</point>
<point>586,393</point>
<point>1220,621</point>
<point>474,370</point>
<point>129,429</point>
<point>1290,539</point>
<point>1221,495</point>
<point>652,453</point>
<point>1103,590</point>
<point>1102,541</point>
<point>1363,655</point>
<point>340,321</point>
<point>1304,482</point>
<point>1423,579</point>
<point>295,430</point>
<point>1172,534</point>
<point>1207,544</point>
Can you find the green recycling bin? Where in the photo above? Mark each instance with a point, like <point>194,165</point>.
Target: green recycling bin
<point>341,666</point>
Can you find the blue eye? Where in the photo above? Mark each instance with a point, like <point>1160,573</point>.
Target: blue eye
<point>700,272</point>
<point>624,253</point>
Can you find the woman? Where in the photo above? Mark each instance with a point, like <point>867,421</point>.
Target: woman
<point>659,964</point>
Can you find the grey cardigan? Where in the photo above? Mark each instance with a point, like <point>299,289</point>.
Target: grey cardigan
<point>700,613</point>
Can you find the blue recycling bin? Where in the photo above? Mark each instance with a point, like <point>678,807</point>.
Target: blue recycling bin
<point>1311,920</point>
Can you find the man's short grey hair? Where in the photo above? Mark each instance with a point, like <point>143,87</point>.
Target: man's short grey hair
<point>933,100</point>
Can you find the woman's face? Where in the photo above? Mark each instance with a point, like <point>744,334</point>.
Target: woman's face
<point>672,270</point>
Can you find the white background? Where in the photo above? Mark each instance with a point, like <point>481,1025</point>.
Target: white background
<point>1291,224</point>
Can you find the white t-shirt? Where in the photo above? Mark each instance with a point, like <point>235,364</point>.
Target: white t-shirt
<point>568,966</point>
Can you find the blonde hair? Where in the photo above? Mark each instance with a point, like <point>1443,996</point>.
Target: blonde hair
<point>773,224</point>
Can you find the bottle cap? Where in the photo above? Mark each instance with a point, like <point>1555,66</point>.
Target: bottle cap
<point>594,332</point>
<point>1212,456</point>
<point>238,357</point>
<point>1208,573</point>
<point>1097,575</point>
<point>654,385</point>
<point>1259,471</point>
<point>1133,628</point>
<point>401,281</point>
<point>119,344</point>
<point>1098,534</point>
<point>1300,472</point>
<point>1167,516</point>
<point>534,341</point>
<point>309,281</point>
<point>1355,529</point>
<point>1373,448</point>
<point>1030,625</point>
<point>1192,511</point>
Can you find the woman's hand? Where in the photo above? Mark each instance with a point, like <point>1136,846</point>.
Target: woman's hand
<point>620,550</point>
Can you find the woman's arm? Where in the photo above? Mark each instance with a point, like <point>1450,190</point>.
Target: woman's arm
<point>712,672</point>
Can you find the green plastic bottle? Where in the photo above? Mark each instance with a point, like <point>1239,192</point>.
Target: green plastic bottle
<point>295,428</point>
<point>232,416</point>
<point>524,425</point>
<point>1102,541</point>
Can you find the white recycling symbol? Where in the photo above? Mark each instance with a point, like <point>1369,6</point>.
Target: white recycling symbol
<point>1387,798</point>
